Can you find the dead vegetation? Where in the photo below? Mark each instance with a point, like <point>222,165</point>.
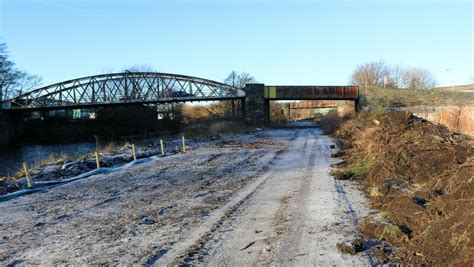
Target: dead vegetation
<point>420,176</point>
<point>330,122</point>
<point>212,120</point>
<point>391,97</point>
<point>215,127</point>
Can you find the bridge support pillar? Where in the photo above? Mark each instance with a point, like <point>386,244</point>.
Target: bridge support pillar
<point>10,127</point>
<point>356,105</point>
<point>256,107</point>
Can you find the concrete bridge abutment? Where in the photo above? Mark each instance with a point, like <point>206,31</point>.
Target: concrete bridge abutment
<point>256,108</point>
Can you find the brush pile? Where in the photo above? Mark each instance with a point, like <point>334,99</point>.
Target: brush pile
<point>420,176</point>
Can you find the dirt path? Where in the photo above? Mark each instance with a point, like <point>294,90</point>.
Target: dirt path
<point>295,214</point>
<point>263,198</point>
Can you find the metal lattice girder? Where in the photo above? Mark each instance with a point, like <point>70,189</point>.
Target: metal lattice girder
<point>124,88</point>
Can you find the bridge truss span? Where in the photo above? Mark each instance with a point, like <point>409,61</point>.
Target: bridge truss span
<point>124,88</point>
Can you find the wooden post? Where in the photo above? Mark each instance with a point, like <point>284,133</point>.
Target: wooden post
<point>97,159</point>
<point>27,173</point>
<point>184,145</point>
<point>162,147</point>
<point>133,152</point>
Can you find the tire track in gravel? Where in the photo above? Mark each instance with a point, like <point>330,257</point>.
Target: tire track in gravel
<point>292,230</point>
<point>194,246</point>
<point>275,223</point>
<point>294,218</point>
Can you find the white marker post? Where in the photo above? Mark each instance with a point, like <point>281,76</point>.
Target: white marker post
<point>133,152</point>
<point>162,147</point>
<point>27,173</point>
<point>184,145</point>
<point>97,159</point>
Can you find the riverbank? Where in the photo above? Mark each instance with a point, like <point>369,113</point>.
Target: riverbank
<point>61,161</point>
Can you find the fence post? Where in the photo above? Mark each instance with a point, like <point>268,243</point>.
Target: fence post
<point>97,159</point>
<point>184,145</point>
<point>133,152</point>
<point>27,173</point>
<point>162,147</point>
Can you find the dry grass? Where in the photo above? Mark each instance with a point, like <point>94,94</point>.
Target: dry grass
<point>374,192</point>
<point>215,127</point>
<point>355,170</point>
<point>111,148</point>
<point>331,122</point>
<point>394,233</point>
<point>51,158</point>
<point>384,214</point>
<point>56,159</point>
<point>195,113</point>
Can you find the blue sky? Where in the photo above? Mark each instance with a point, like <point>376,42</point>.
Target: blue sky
<point>278,42</point>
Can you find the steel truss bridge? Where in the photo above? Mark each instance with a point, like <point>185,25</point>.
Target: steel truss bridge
<point>123,89</point>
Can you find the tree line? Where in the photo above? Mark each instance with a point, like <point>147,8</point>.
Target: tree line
<point>378,73</point>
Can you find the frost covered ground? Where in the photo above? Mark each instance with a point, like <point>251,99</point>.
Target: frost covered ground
<point>264,198</point>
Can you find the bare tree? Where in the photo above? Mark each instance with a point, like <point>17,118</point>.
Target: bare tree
<point>395,77</point>
<point>380,74</point>
<point>27,82</point>
<point>13,82</point>
<point>239,80</point>
<point>232,78</point>
<point>418,78</point>
<point>370,74</point>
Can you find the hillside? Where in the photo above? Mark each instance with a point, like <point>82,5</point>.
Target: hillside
<point>465,88</point>
<point>391,97</point>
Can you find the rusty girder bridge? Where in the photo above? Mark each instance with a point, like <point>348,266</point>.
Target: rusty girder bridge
<point>122,89</point>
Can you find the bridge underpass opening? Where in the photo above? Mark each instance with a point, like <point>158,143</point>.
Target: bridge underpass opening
<point>307,110</point>
<point>259,97</point>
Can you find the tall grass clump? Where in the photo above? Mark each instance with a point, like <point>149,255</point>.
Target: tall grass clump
<point>355,170</point>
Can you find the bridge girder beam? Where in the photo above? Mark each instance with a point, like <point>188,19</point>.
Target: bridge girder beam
<point>123,88</point>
